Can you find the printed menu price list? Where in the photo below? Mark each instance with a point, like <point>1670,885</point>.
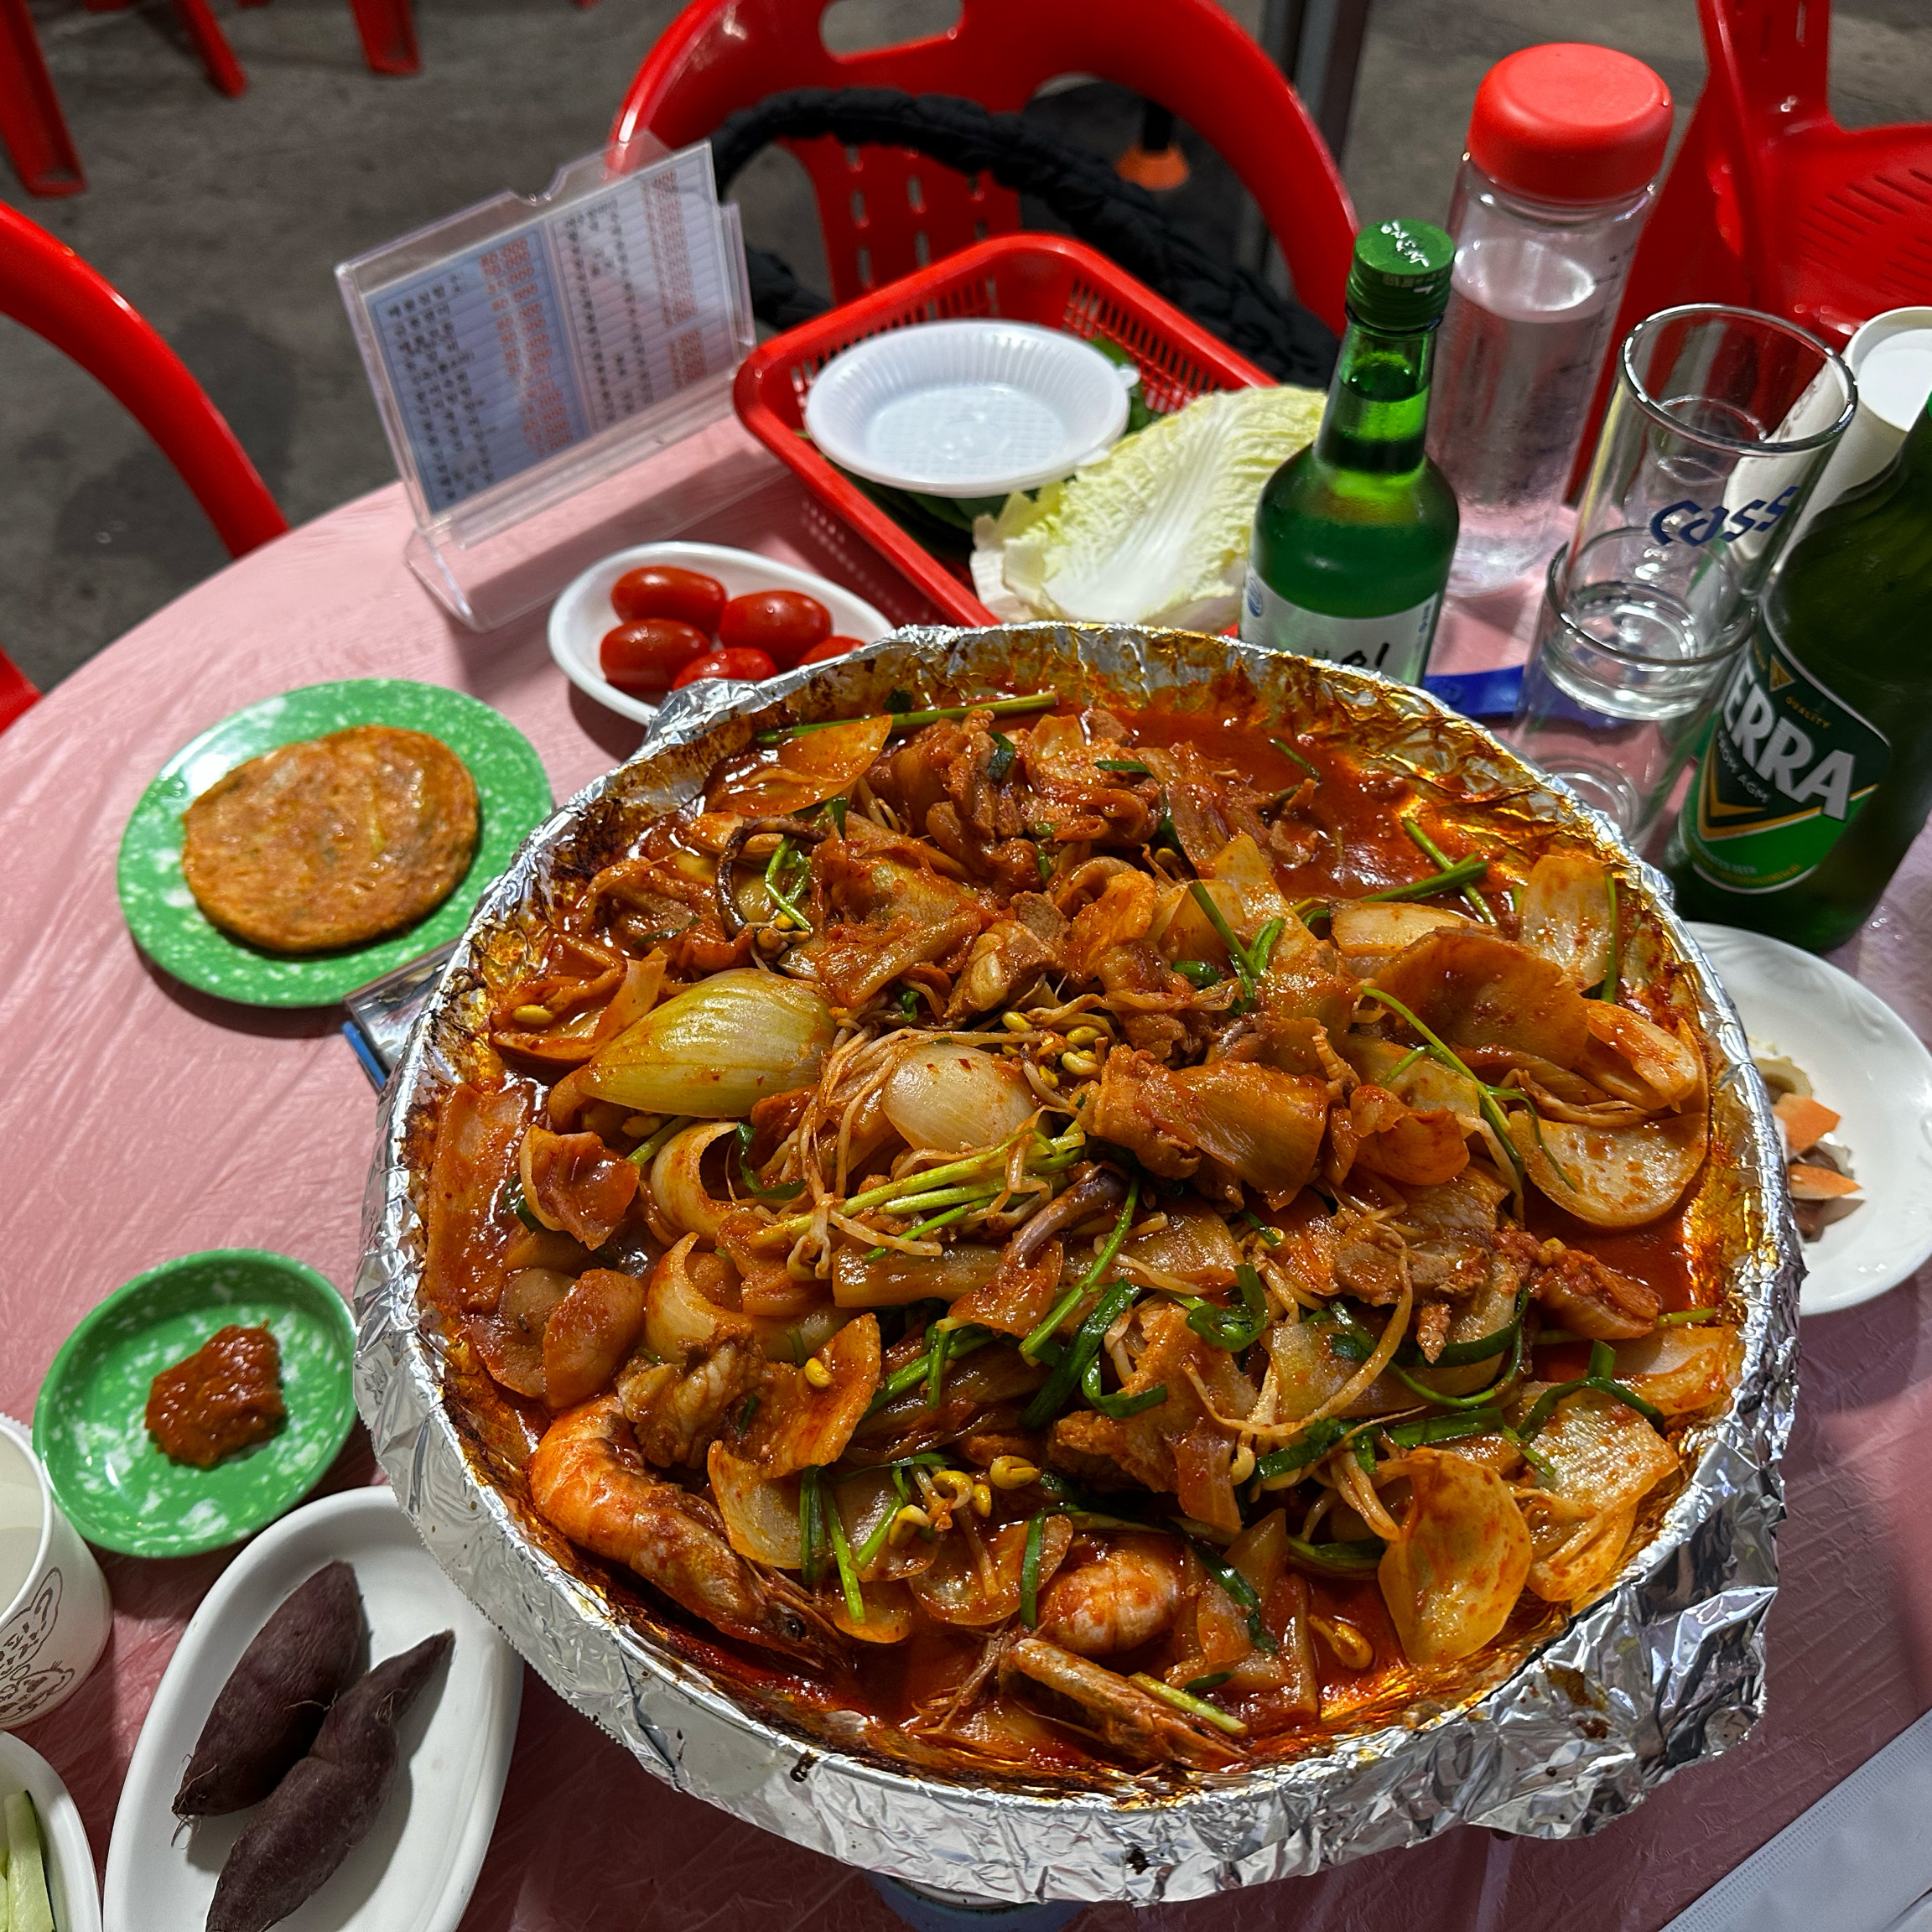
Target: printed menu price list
<point>555,331</point>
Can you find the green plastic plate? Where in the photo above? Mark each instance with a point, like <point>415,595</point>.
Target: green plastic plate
<point>90,1425</point>
<point>170,927</point>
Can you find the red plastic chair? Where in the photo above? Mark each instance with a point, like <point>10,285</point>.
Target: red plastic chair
<point>34,130</point>
<point>47,288</point>
<point>1770,202</point>
<point>886,211</point>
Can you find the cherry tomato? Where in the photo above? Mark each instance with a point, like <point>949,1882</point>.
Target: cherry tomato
<point>831,648</point>
<point>663,590</point>
<point>782,623</point>
<point>647,654</point>
<point>740,662</point>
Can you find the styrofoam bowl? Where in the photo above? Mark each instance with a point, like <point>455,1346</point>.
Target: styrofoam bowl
<point>582,613</point>
<point>967,408</point>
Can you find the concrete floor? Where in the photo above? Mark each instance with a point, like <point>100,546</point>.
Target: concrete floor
<point>221,220</point>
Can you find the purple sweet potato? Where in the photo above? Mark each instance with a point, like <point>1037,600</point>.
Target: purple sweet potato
<point>326,1805</point>
<point>277,1696</point>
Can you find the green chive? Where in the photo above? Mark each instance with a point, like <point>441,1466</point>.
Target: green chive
<point>1127,767</point>
<point>938,1346</point>
<point>1355,1559</point>
<point>1030,1572</point>
<point>964,1341</point>
<point>1237,953</point>
<point>1185,1701</point>
<point>514,1200</point>
<point>1223,1327</point>
<point>1614,971</point>
<point>904,719</point>
<point>643,1155</point>
<point>847,1572</point>
<point>1432,850</point>
<point>1240,1589</point>
<point>811,1530</point>
<point>1119,1406</point>
<point>1004,751</point>
<point>785,1192</point>
<point>1052,1397</point>
<point>1288,751</point>
<point>1029,1348</point>
<point>1199,973</point>
<point>1455,877</point>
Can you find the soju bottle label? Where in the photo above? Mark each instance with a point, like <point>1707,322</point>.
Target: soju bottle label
<point>1397,645</point>
<point>1790,766</point>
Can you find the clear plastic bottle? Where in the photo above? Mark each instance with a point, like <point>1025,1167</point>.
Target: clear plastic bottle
<point>1565,145</point>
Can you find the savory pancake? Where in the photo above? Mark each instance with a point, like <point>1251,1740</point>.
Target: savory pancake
<point>331,841</point>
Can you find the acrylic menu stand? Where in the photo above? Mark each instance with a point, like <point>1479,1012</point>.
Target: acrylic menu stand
<point>527,353</point>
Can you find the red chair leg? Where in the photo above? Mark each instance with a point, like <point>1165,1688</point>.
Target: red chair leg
<point>16,692</point>
<point>388,32</point>
<point>211,44</point>
<point>31,122</point>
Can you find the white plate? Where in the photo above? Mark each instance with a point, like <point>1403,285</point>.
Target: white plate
<point>414,1871</point>
<point>967,408</point>
<point>1866,1064</point>
<point>582,613</point>
<point>71,1886</point>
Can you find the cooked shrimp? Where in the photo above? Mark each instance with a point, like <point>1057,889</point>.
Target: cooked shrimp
<point>588,1481</point>
<point>1118,1600</point>
<point>1087,1697</point>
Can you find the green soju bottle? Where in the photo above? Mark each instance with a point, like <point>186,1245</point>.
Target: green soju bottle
<point>1818,772</point>
<point>1353,535</point>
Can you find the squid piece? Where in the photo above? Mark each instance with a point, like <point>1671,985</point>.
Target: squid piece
<point>1367,936</point>
<point>895,1279</point>
<point>1119,1598</point>
<point>1452,1576</point>
<point>1613,1177</point>
<point>574,1185</point>
<point>589,1482</point>
<point>510,1342</point>
<point>976,1580</point>
<point>1475,989</point>
<point>1090,1699</point>
<point>589,1334</point>
<point>804,770</point>
<point>1565,915</point>
<point>800,1423</point>
<point>470,1230</point>
<point>1590,1298</point>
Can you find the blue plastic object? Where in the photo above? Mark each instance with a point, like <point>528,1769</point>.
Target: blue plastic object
<point>1479,694</point>
<point>924,1912</point>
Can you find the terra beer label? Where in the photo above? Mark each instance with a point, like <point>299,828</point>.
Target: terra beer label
<point>1790,766</point>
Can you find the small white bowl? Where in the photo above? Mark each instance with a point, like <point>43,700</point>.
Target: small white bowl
<point>582,613</point>
<point>70,1859</point>
<point>967,408</point>
<point>1868,1066</point>
<point>415,1870</point>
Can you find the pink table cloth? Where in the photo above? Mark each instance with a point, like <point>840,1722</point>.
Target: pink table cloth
<point>144,1121</point>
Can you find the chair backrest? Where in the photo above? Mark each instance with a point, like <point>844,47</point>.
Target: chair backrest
<point>47,288</point>
<point>886,212</point>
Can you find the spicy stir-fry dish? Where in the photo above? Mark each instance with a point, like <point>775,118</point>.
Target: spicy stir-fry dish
<point>1044,1240</point>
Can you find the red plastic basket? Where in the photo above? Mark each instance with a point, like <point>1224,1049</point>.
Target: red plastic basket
<point>1043,278</point>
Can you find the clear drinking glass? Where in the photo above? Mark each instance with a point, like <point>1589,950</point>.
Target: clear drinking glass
<point>1720,422</point>
<point>1633,645</point>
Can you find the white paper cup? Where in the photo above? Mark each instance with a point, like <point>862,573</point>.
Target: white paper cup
<point>1891,359</point>
<point>54,1611</point>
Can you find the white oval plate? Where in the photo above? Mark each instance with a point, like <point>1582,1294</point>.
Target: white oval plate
<point>70,1887</point>
<point>414,1871</point>
<point>967,408</point>
<point>582,613</point>
<point>1867,1065</point>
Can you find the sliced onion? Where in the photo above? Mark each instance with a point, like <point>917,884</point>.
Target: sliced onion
<point>1195,1245</point>
<point>1453,1575</point>
<point>679,1320</point>
<point>954,1098</point>
<point>678,1185</point>
<point>716,1048</point>
<point>761,1512</point>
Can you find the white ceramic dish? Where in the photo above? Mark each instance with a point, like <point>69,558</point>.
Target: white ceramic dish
<point>582,613</point>
<point>70,1859</point>
<point>414,1871</point>
<point>967,408</point>
<point>1867,1065</point>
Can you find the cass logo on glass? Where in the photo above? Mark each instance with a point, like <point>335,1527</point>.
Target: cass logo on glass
<point>1697,524</point>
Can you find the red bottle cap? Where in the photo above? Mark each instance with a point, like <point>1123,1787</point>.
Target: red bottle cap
<point>1570,122</point>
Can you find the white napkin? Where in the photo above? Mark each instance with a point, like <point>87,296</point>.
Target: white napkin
<point>1860,1860</point>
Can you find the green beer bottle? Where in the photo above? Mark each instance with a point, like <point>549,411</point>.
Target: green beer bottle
<point>1818,775</point>
<point>1353,535</point>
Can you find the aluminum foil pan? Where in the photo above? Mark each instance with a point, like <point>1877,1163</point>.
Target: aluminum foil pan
<point>1564,1733</point>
